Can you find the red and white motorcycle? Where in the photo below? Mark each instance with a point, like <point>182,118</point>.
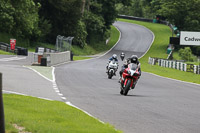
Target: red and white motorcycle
<point>129,78</point>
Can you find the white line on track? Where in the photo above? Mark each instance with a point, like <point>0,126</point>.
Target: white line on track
<point>173,79</point>
<point>12,58</point>
<point>70,104</point>
<point>38,73</point>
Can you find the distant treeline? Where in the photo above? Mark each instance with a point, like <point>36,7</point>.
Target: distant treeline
<point>42,20</point>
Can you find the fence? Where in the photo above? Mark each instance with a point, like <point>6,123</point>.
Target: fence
<point>179,65</point>
<point>63,43</point>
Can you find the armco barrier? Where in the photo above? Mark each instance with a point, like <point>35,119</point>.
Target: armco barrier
<point>135,18</point>
<point>144,19</point>
<point>179,65</point>
<point>18,50</point>
<point>196,69</point>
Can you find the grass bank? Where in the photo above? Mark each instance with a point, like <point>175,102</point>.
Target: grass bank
<point>98,47</point>
<point>158,49</point>
<point>6,53</point>
<point>43,116</point>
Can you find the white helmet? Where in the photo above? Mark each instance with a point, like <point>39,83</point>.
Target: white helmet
<point>114,56</point>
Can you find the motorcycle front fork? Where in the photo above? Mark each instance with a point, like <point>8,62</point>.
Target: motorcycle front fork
<point>134,83</point>
<point>133,86</point>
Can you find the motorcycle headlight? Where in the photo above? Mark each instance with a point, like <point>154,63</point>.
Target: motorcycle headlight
<point>135,74</point>
<point>129,72</point>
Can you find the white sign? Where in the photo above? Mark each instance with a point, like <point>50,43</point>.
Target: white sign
<point>40,51</point>
<point>189,38</point>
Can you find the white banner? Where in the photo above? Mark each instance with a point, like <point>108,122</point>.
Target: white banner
<point>189,38</point>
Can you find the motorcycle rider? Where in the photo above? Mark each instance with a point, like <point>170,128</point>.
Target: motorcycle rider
<point>132,59</point>
<point>114,57</point>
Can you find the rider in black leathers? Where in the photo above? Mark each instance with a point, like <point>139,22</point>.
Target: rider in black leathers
<point>132,59</point>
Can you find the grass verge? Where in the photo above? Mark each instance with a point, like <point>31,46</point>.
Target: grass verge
<point>98,47</point>
<point>80,58</point>
<point>6,53</point>
<point>42,116</point>
<point>45,71</point>
<point>158,49</point>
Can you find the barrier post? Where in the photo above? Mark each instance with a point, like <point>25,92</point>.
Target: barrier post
<point>2,125</point>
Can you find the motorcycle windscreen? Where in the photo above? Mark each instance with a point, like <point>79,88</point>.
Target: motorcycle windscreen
<point>132,66</point>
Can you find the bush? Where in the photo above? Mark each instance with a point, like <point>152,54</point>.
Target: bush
<point>186,54</point>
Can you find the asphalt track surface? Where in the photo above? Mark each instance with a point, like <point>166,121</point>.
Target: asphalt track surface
<point>22,80</point>
<point>155,105</point>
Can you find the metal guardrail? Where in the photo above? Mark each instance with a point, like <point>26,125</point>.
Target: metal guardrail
<point>175,64</point>
<point>18,50</point>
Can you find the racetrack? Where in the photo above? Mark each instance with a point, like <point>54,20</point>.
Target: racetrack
<point>155,105</point>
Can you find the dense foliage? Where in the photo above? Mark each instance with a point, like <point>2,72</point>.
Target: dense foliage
<point>88,21</point>
<point>42,20</point>
<point>20,17</point>
<point>186,54</point>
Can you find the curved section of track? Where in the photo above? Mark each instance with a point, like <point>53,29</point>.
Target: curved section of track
<point>155,105</point>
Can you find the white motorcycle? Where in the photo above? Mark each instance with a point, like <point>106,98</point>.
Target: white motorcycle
<point>112,68</point>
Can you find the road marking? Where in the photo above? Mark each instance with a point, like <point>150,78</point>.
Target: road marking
<point>173,79</point>
<point>70,104</point>
<point>12,58</point>
<point>38,73</point>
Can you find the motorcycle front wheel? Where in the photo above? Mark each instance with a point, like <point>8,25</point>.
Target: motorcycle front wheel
<point>110,74</point>
<point>127,87</point>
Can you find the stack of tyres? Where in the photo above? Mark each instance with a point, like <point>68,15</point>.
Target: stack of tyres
<point>22,51</point>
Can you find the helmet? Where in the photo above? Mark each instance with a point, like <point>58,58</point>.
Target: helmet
<point>134,59</point>
<point>114,56</point>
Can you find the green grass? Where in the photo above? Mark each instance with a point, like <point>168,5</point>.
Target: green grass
<point>6,53</point>
<point>176,56</point>
<point>42,116</point>
<point>45,71</point>
<point>80,58</point>
<point>158,49</point>
<point>98,47</point>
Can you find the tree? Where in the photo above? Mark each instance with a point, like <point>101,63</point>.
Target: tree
<point>100,15</point>
<point>64,17</point>
<point>182,13</point>
<point>6,16</point>
<point>19,18</point>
